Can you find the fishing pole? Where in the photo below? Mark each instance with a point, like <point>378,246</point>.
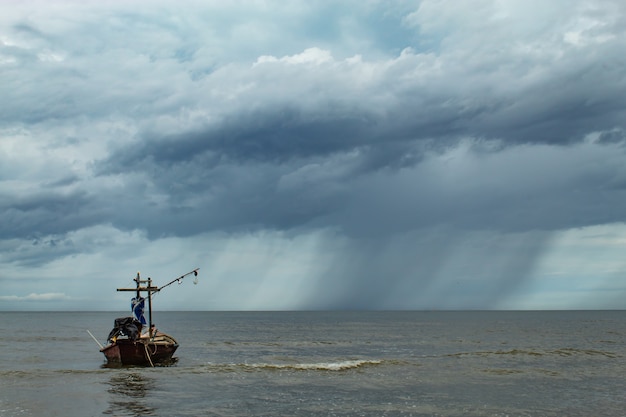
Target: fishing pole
<point>180,278</point>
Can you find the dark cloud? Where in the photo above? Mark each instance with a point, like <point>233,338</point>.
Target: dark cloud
<point>276,136</point>
<point>612,137</point>
<point>380,191</point>
<point>46,213</point>
<point>433,142</point>
<point>560,109</point>
<point>371,162</point>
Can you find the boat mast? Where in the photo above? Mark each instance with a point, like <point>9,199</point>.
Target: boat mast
<point>150,289</point>
<point>150,306</point>
<point>137,281</point>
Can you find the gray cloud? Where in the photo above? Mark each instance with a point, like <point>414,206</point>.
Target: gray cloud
<point>406,130</point>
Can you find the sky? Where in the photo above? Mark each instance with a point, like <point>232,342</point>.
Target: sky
<point>313,154</point>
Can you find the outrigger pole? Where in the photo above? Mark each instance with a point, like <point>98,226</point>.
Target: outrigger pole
<point>150,289</point>
<point>180,278</point>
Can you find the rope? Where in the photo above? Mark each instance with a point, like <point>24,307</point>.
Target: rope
<point>145,346</point>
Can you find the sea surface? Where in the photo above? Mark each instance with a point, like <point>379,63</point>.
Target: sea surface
<point>436,363</point>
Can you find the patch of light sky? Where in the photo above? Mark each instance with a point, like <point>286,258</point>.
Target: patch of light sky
<point>577,263</point>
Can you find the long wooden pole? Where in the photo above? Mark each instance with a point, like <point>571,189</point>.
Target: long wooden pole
<point>195,272</point>
<point>138,281</point>
<point>150,306</point>
<point>95,340</point>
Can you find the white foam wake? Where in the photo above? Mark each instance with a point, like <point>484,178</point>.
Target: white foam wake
<point>321,366</point>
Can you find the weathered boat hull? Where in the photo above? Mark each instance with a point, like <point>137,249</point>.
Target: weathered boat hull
<point>142,352</point>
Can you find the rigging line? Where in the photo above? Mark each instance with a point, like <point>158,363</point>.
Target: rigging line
<point>145,346</point>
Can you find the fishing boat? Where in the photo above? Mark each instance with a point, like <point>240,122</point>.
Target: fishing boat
<point>135,341</point>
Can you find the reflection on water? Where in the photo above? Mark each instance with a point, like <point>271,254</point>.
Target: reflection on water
<point>129,392</point>
<point>118,365</point>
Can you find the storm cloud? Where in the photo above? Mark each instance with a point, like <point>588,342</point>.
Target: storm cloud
<point>415,155</point>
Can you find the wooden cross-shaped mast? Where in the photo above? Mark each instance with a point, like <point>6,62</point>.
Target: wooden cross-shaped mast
<point>139,289</point>
<point>150,289</point>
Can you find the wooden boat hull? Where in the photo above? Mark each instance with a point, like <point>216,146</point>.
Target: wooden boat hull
<point>142,352</point>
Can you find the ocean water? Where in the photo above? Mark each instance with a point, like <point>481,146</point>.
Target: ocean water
<point>323,364</point>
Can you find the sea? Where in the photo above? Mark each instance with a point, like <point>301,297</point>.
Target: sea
<point>323,363</point>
